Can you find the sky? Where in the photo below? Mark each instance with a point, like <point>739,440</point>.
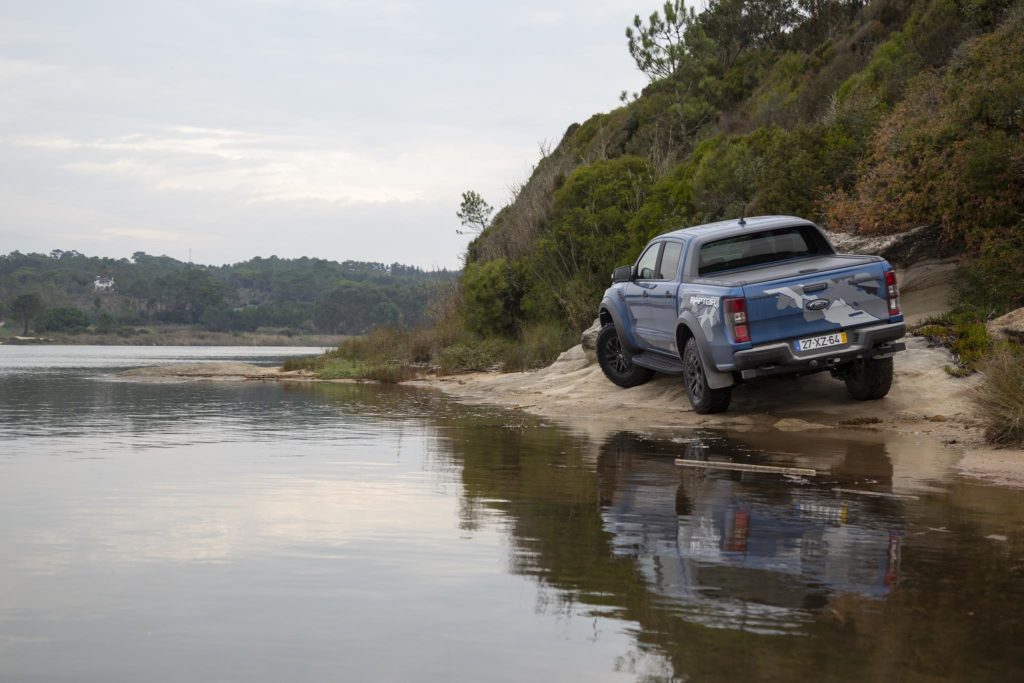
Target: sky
<point>343,130</point>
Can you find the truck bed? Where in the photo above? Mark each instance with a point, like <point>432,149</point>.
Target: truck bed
<point>787,269</point>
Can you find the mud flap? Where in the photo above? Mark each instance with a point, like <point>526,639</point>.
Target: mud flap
<point>716,378</point>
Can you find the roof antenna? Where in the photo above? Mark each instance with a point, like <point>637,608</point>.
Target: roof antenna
<point>742,222</point>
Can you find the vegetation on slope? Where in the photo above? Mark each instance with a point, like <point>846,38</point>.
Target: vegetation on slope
<point>876,117</point>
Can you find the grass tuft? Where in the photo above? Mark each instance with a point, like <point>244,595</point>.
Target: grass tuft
<point>1001,397</point>
<point>964,334</point>
<point>311,363</point>
<point>537,347</point>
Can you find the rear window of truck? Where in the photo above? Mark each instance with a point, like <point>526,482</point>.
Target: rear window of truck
<point>757,248</point>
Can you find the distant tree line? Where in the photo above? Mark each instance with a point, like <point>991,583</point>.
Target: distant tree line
<point>56,292</point>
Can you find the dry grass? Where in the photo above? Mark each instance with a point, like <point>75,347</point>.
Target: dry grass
<point>1000,397</point>
<point>311,363</point>
<point>392,355</point>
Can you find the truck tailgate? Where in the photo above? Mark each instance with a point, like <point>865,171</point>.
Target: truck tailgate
<point>813,303</point>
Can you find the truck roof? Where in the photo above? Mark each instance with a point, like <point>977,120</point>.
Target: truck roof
<point>733,226</point>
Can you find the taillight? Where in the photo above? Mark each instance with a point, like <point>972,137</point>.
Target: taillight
<point>736,319</point>
<point>893,292</point>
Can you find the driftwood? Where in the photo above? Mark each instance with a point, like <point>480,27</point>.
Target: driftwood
<point>742,467</point>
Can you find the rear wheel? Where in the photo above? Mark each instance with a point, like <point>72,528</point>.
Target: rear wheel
<point>871,379</point>
<point>615,363</point>
<point>703,398</point>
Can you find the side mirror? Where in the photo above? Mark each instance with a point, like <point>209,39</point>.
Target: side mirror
<point>622,274</point>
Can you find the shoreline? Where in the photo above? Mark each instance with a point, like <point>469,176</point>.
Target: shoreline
<point>172,338</point>
<point>927,406</point>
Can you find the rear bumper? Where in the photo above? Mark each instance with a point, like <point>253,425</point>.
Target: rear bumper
<point>875,341</point>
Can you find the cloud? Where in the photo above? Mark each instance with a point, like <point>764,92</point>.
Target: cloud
<point>264,167</point>
<point>545,17</point>
<point>286,126</point>
<point>143,234</point>
<point>25,70</point>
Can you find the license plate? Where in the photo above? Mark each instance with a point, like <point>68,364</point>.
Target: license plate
<point>822,342</point>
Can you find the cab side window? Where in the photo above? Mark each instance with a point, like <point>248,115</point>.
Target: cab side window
<point>648,263</point>
<point>670,261</point>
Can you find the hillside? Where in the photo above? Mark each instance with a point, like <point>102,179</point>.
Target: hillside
<point>868,117</point>
<point>299,295</point>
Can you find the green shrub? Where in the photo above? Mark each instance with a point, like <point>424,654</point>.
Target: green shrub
<point>1000,397</point>
<point>724,172</point>
<point>963,333</point>
<point>63,319</point>
<point>491,297</point>
<point>590,234</point>
<point>340,368</point>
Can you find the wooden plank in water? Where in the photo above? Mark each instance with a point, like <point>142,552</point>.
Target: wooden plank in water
<point>743,467</point>
<point>877,494</point>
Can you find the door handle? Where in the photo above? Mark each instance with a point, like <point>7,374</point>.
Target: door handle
<point>669,294</point>
<point>644,294</point>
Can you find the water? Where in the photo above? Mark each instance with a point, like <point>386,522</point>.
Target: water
<point>268,532</point>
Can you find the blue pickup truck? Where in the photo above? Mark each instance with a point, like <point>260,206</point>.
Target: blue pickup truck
<point>729,302</point>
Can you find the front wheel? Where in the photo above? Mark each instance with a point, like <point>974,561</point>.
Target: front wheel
<point>616,365</point>
<point>871,379</point>
<point>703,398</point>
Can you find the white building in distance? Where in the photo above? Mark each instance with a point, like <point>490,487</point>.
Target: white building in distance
<point>103,284</point>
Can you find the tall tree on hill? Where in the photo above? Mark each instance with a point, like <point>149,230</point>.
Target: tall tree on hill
<point>736,26</point>
<point>474,212</point>
<point>673,46</point>
<point>824,18</point>
<point>662,45</point>
<point>25,308</point>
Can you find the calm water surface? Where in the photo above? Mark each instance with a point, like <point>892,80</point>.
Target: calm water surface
<point>269,532</point>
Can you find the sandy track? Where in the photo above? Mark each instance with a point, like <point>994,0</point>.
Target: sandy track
<point>574,387</point>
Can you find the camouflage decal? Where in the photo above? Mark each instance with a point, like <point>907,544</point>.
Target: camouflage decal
<point>848,299</point>
<point>706,310</point>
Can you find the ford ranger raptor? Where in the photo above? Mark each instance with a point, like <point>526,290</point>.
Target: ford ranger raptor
<point>726,303</point>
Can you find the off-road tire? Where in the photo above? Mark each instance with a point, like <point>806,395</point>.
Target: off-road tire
<point>703,398</point>
<point>869,380</point>
<point>616,365</point>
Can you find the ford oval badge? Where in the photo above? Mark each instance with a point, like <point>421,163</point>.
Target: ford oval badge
<point>817,304</point>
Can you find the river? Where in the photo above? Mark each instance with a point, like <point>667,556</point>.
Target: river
<point>262,531</point>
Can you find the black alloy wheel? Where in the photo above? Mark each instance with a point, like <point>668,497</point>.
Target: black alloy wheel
<point>615,363</point>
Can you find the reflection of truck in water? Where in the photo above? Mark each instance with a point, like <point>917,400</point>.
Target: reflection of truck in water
<point>749,551</point>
